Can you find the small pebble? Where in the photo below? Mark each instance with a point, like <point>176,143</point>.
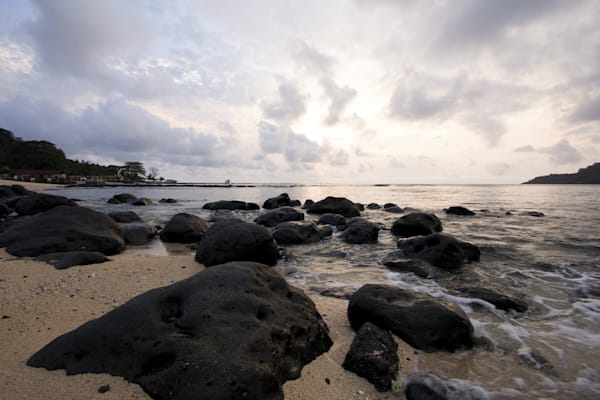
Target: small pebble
<point>103,388</point>
<point>328,381</point>
<point>361,392</point>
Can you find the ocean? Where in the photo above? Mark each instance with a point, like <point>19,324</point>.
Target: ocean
<point>551,262</point>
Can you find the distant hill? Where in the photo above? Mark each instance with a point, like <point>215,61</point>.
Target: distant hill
<point>587,175</point>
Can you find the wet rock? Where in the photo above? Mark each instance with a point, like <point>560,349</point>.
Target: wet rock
<point>499,300</point>
<point>8,191</point>
<point>360,206</point>
<point>422,386</point>
<point>281,214</point>
<point>296,232</point>
<point>335,205</point>
<point>61,229</point>
<point>422,321</point>
<point>394,210</point>
<point>295,203</point>
<point>4,210</point>
<point>443,251</point>
<point>397,262</point>
<point>231,205</point>
<point>124,216</point>
<point>168,201</point>
<point>373,356</point>
<point>184,228</point>
<point>72,258</point>
<point>138,233</point>
<point>336,220</point>
<point>459,210</point>
<point>283,200</point>
<point>360,231</point>
<point>390,205</point>
<point>416,224</point>
<point>535,214</point>
<point>38,202</point>
<point>122,198</point>
<point>307,203</point>
<point>143,201</point>
<point>234,240</point>
<point>373,206</point>
<point>229,332</point>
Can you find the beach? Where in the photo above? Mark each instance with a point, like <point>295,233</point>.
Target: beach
<point>34,186</point>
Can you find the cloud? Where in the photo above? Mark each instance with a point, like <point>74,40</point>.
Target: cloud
<point>524,149</point>
<point>499,169</point>
<point>311,59</point>
<point>288,107</point>
<point>586,112</point>
<point>395,163</point>
<point>490,128</point>
<point>562,153</point>
<point>419,97</point>
<point>340,97</point>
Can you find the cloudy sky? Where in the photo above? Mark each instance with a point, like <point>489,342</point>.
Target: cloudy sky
<point>353,91</point>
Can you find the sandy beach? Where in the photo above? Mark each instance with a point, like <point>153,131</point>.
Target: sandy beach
<point>34,186</point>
<point>39,303</point>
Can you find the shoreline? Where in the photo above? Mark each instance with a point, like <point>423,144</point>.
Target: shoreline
<point>33,186</point>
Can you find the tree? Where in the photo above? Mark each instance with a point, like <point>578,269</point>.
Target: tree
<point>153,175</point>
<point>133,171</point>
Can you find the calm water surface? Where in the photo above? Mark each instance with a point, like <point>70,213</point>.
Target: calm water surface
<point>550,352</point>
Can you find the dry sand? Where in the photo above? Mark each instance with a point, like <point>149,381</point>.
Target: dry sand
<point>39,303</point>
<point>34,186</point>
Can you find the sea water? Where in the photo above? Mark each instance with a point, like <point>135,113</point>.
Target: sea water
<point>552,351</point>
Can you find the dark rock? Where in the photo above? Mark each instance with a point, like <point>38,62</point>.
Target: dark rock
<point>397,262</point>
<point>103,388</point>
<point>299,232</point>
<point>416,224</point>
<point>125,216</point>
<point>230,205</point>
<point>500,301</point>
<point>295,203</point>
<point>144,201</point>
<point>122,198</point>
<point>39,202</point>
<point>373,356</point>
<point>307,203</point>
<point>342,292</point>
<point>138,233</point>
<point>281,214</point>
<point>335,205</point>
<point>422,386</point>
<point>443,251</point>
<point>8,191</point>
<point>394,210</point>
<point>4,210</point>
<point>62,229</point>
<point>360,206</point>
<point>283,200</point>
<point>333,219</point>
<point>233,240</point>
<point>422,321</point>
<point>184,228</point>
<point>459,210</point>
<point>229,332</point>
<point>71,258</point>
<point>360,231</point>
<point>535,214</point>
<point>390,205</point>
<point>373,206</point>
<point>168,201</point>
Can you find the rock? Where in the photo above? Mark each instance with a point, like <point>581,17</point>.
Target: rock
<point>416,224</point>
<point>168,201</point>
<point>535,214</point>
<point>62,229</point>
<point>138,233</point>
<point>4,210</point>
<point>234,240</point>
<point>283,200</point>
<point>341,292</point>
<point>335,205</point>
<point>281,214</point>
<point>397,262</point>
<point>231,205</point>
<point>307,203</point>
<point>71,258</point>
<point>124,216</point>
<point>422,321</point>
<point>103,388</point>
<point>295,203</point>
<point>122,198</point>
<point>360,206</point>
<point>373,206</point>
<point>184,228</point>
<point>299,232</point>
<point>373,356</point>
<point>360,231</point>
<point>422,386</point>
<point>499,300</point>
<point>459,210</point>
<point>144,201</point>
<point>38,202</point>
<point>333,219</point>
<point>229,332</point>
<point>443,251</point>
<point>390,205</point>
<point>394,210</point>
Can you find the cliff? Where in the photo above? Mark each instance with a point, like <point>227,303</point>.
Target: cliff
<point>587,175</point>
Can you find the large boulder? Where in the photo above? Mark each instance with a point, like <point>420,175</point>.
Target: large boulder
<point>443,251</point>
<point>283,200</point>
<point>4,210</point>
<point>63,228</point>
<point>422,321</point>
<point>138,233</point>
<point>124,216</point>
<point>230,205</point>
<point>235,240</point>
<point>122,198</point>
<point>373,206</point>
<point>234,331</point>
<point>73,258</point>
<point>336,220</point>
<point>416,224</point>
<point>360,231</point>
<point>39,202</point>
<point>184,228</point>
<point>299,232</point>
<point>498,300</point>
<point>373,355</point>
<point>8,191</point>
<point>335,205</point>
<point>142,201</point>
<point>281,214</point>
<point>459,210</point>
<point>307,203</point>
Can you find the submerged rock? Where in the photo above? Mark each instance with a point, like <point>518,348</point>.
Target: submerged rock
<point>394,210</point>
<point>373,206</point>
<point>230,205</point>
<point>122,198</point>
<point>443,251</point>
<point>397,262</point>
<point>72,258</point>
<point>373,356</point>
<point>360,231</point>
<point>299,232</point>
<point>499,300</point>
<point>281,214</point>
<point>124,216</point>
<point>233,331</point>
<point>422,321</point>
<point>234,240</point>
<point>459,210</point>
<point>168,201</point>
<point>335,205</point>
<point>184,228</point>
<point>143,201</point>
<point>416,224</point>
<point>39,202</point>
<point>422,386</point>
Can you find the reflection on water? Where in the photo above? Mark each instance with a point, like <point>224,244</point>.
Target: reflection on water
<point>552,262</point>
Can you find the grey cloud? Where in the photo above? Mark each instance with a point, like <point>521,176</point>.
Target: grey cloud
<point>395,163</point>
<point>499,169</point>
<point>562,153</point>
<point>490,128</point>
<point>339,157</point>
<point>340,97</point>
<point>587,111</point>
<point>312,59</point>
<point>419,102</point>
<point>288,107</point>
<point>524,149</point>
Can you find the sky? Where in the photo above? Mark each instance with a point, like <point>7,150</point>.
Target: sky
<point>353,91</point>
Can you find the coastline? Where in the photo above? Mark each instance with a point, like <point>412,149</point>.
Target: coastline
<point>33,186</point>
